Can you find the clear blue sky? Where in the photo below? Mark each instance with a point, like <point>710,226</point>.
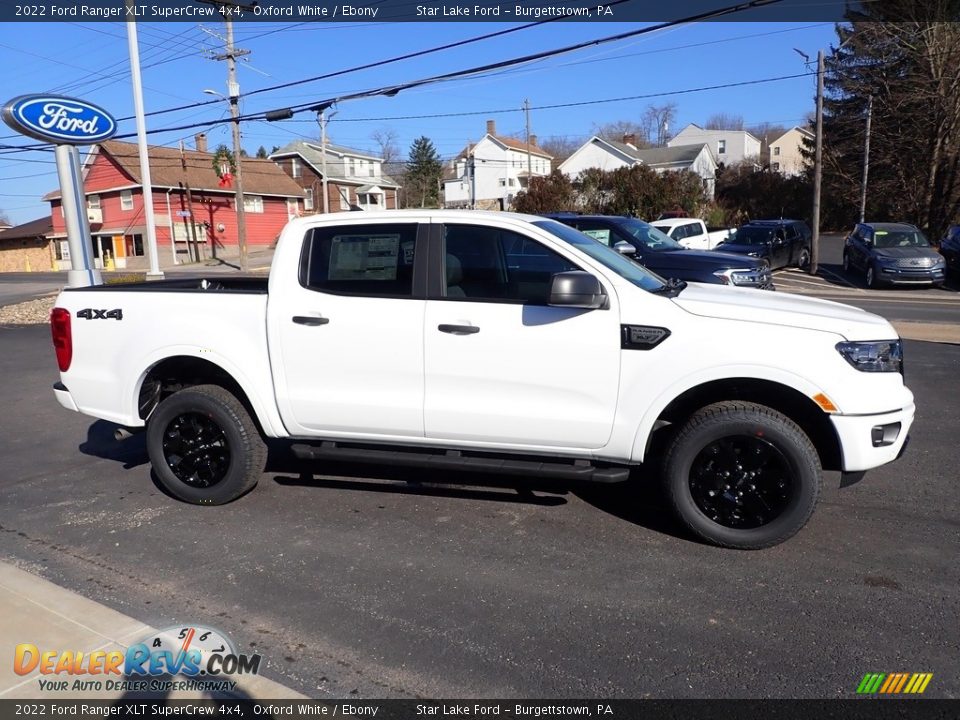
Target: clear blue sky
<point>90,61</point>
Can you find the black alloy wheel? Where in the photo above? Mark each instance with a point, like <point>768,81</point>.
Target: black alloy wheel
<point>196,450</point>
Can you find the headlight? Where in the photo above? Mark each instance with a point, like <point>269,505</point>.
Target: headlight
<point>742,276</point>
<point>884,356</point>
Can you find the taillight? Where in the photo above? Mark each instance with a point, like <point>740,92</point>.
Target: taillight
<point>62,337</point>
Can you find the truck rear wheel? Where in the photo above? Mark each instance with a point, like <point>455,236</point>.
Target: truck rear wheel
<point>204,446</point>
<point>741,475</point>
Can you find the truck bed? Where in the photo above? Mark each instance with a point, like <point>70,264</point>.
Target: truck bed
<point>244,285</point>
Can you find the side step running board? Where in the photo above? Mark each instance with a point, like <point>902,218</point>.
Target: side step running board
<point>456,460</point>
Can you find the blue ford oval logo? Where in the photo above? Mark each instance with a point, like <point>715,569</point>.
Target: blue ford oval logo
<point>58,119</point>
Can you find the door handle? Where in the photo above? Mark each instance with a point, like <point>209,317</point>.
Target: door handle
<point>459,329</point>
<point>310,320</point>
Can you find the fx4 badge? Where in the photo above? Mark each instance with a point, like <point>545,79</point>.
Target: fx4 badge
<point>93,314</point>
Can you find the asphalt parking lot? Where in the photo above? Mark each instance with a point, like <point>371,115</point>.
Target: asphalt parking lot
<point>364,582</point>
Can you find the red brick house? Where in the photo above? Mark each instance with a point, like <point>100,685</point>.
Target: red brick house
<point>355,180</point>
<point>115,208</point>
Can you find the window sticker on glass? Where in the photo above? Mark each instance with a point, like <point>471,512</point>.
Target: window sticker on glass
<point>408,252</point>
<point>603,235</point>
<point>364,257</point>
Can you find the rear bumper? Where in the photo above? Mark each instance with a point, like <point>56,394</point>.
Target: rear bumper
<point>869,441</point>
<point>64,397</point>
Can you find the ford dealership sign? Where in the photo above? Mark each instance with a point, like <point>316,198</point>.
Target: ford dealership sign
<point>60,120</point>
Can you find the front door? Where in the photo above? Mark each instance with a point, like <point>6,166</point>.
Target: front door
<point>346,341</point>
<point>504,367</point>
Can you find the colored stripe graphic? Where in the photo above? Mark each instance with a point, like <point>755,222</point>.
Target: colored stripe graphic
<point>894,683</point>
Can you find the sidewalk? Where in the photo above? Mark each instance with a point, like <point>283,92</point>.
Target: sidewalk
<point>33,610</point>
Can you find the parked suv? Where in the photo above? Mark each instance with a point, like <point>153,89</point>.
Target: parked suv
<point>668,258</point>
<point>950,249</point>
<point>893,254</point>
<point>782,243</point>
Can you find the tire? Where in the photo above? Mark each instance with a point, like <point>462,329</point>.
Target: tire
<point>754,511</point>
<point>204,446</point>
<point>847,267</point>
<point>803,262</point>
<point>872,281</point>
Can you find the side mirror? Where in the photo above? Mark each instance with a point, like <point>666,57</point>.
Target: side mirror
<point>576,289</point>
<point>624,248</point>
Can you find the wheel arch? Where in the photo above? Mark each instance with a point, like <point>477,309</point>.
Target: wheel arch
<point>173,372</point>
<point>776,395</point>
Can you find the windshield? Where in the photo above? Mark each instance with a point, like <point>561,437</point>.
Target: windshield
<point>899,238</point>
<point>649,236</point>
<point>752,235</point>
<point>611,259</point>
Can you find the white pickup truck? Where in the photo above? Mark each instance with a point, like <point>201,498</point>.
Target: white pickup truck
<point>464,340</point>
<point>692,233</point>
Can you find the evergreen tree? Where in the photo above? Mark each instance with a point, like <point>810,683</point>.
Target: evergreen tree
<point>423,173</point>
<point>262,153</point>
<point>904,55</point>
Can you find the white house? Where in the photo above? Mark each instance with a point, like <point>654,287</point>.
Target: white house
<point>606,154</point>
<point>489,173</point>
<point>785,155</point>
<point>729,147</point>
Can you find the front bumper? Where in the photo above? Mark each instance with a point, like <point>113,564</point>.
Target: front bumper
<point>64,397</point>
<point>909,276</point>
<point>869,441</point>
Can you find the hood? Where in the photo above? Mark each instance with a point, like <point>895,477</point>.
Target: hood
<point>701,260</point>
<point>744,249</point>
<point>757,306</point>
<point>907,252</point>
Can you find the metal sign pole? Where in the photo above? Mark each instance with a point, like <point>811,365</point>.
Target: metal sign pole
<point>73,201</point>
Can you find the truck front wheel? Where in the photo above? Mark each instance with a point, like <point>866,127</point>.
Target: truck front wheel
<point>741,475</point>
<point>204,446</point>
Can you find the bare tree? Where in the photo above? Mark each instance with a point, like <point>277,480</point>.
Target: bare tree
<point>724,121</point>
<point>386,140</point>
<point>4,219</point>
<point>561,147</point>
<point>658,119</point>
<point>619,129</point>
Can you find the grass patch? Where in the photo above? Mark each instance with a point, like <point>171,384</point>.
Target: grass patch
<point>115,278</point>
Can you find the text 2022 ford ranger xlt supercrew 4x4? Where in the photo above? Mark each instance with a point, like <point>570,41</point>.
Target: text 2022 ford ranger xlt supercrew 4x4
<point>503,343</point>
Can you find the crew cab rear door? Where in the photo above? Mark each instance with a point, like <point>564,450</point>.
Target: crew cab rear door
<point>504,367</point>
<point>346,336</point>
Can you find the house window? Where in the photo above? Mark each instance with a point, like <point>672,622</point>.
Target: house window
<point>344,198</point>
<point>253,203</point>
<point>134,245</point>
<point>512,182</point>
<point>776,149</point>
<point>776,167</point>
<point>721,147</point>
<point>126,200</point>
<point>371,170</point>
<point>353,166</point>
<point>93,202</point>
<point>503,182</point>
<point>308,200</point>
<point>295,168</point>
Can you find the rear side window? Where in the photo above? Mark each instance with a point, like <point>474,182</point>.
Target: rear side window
<point>369,260</point>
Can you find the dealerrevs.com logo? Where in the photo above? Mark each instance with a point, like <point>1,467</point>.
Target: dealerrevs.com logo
<point>204,658</point>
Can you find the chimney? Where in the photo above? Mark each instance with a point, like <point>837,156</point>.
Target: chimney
<point>201,142</point>
<point>630,139</point>
<point>533,140</point>
<point>491,127</point>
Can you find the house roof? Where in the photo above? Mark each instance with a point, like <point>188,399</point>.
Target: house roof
<point>32,229</point>
<point>677,155</point>
<point>512,143</point>
<point>802,130</point>
<point>313,153</point>
<point>260,177</point>
<point>708,130</point>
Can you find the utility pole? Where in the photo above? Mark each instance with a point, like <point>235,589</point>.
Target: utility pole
<point>322,119</point>
<point>817,170</point>
<point>145,181</point>
<point>866,161</point>
<point>526,109</point>
<point>227,9</point>
<point>193,221</point>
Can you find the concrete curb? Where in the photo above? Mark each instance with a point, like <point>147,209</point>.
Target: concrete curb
<point>928,332</point>
<point>33,610</point>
